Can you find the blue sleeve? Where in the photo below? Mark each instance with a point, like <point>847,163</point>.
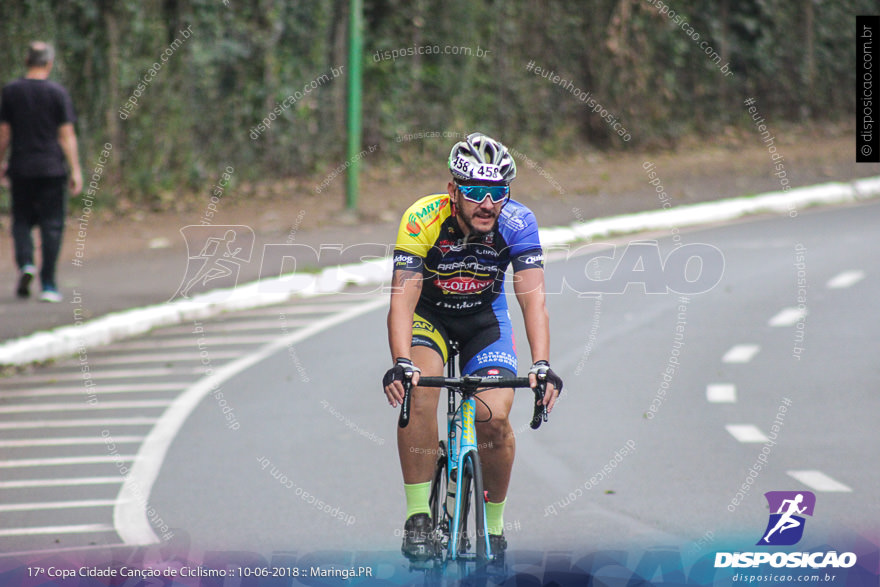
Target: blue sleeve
<point>519,228</point>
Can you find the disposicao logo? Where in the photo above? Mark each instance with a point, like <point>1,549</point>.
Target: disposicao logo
<point>785,528</point>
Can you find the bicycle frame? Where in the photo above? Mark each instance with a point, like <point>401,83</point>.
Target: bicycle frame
<point>455,456</point>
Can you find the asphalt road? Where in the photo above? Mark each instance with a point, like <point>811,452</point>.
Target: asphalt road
<point>627,460</point>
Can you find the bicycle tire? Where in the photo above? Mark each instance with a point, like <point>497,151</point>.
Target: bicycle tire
<point>437,497</point>
<point>472,484</point>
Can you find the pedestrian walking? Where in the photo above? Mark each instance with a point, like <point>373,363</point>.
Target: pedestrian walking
<point>36,121</point>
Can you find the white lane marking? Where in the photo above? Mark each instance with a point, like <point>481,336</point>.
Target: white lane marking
<point>61,461</point>
<point>130,515</point>
<point>100,388</point>
<point>721,393</point>
<point>69,482</point>
<point>845,279</point>
<point>82,528</point>
<point>233,324</point>
<point>819,481</point>
<point>77,423</point>
<point>82,406</point>
<point>28,442</point>
<point>206,340</point>
<point>275,312</point>
<point>56,505</point>
<point>125,374</point>
<point>741,353</point>
<point>787,317</point>
<point>162,357</point>
<point>746,433</point>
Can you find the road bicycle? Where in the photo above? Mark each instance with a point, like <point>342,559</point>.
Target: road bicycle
<point>457,495</point>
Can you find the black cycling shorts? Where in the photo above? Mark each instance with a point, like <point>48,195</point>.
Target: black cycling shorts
<point>485,339</point>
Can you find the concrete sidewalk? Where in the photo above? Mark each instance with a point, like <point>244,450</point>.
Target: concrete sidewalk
<point>116,297</point>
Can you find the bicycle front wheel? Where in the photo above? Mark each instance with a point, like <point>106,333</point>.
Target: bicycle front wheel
<point>437,499</point>
<point>474,506</point>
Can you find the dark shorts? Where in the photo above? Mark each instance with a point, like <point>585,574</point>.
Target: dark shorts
<point>485,339</point>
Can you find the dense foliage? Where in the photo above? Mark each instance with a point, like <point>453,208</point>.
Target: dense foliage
<point>641,60</point>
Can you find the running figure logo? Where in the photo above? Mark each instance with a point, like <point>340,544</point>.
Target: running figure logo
<point>221,252</point>
<point>786,526</point>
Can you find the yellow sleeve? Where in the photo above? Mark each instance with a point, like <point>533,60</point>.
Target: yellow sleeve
<point>420,225</point>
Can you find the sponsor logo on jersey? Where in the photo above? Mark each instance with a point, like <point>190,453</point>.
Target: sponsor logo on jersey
<point>412,227</point>
<point>534,259</point>
<point>446,246</point>
<point>432,209</point>
<point>422,325</point>
<point>463,284</point>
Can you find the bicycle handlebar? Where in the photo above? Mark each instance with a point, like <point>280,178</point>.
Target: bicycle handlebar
<point>471,383</point>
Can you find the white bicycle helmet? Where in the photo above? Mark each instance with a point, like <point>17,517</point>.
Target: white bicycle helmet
<point>481,158</point>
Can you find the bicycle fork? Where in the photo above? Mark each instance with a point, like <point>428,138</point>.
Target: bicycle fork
<point>463,420</point>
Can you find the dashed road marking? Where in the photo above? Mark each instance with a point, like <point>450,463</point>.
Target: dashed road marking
<point>788,317</point>
<point>741,353</point>
<point>845,279</point>
<point>746,433</point>
<point>721,393</point>
<point>819,481</point>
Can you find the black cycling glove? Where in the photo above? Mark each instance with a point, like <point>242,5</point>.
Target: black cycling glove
<point>544,373</point>
<point>402,370</point>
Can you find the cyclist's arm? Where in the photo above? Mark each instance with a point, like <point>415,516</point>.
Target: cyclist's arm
<point>406,287</point>
<point>528,285</point>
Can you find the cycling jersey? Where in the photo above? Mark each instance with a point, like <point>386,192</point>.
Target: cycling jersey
<point>464,276</point>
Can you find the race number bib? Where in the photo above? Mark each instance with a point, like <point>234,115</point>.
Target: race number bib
<point>485,171</point>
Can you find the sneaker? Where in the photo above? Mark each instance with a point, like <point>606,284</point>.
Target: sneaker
<point>24,281</point>
<point>498,544</point>
<point>51,295</point>
<point>418,541</point>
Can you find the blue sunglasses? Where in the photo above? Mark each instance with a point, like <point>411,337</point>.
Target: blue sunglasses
<point>477,193</point>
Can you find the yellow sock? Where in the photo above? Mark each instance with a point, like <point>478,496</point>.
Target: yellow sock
<point>495,517</point>
<point>417,496</point>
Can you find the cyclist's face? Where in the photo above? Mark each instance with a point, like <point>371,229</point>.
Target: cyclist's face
<point>475,218</point>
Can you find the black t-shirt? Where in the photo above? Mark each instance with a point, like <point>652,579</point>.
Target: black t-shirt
<point>35,108</point>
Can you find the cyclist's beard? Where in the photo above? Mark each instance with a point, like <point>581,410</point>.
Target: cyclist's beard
<point>474,232</point>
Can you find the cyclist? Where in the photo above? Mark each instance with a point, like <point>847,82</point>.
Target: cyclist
<point>450,257</point>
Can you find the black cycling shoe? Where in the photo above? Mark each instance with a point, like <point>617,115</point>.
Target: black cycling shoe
<point>498,544</point>
<point>418,539</point>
